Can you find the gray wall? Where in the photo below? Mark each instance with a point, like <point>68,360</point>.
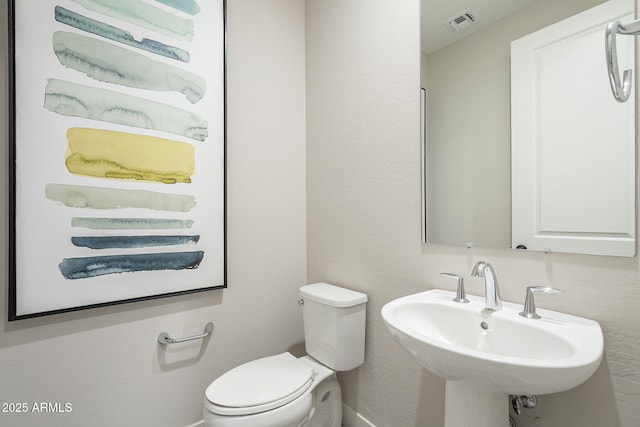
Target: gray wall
<point>106,362</point>
<point>363,192</point>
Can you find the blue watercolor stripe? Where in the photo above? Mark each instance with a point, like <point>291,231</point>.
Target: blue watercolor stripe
<point>109,242</point>
<point>144,14</point>
<point>82,268</point>
<point>107,31</point>
<point>186,6</point>
<point>130,223</point>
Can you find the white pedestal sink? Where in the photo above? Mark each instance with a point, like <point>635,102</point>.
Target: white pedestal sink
<point>484,355</point>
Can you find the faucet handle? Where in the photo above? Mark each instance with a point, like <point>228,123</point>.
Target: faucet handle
<point>461,296</point>
<point>529,302</point>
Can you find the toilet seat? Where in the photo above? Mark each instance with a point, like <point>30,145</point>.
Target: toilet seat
<point>259,385</point>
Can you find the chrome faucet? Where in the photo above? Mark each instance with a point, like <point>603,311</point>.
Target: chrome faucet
<point>491,289</point>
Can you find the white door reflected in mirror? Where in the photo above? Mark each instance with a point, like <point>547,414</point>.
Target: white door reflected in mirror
<point>567,202</point>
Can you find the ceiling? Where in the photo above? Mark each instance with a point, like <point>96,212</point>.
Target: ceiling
<point>434,14</point>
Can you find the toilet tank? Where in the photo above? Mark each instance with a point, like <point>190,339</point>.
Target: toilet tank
<point>334,325</point>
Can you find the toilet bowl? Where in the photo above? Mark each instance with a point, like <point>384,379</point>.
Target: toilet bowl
<point>275,391</point>
<point>285,391</point>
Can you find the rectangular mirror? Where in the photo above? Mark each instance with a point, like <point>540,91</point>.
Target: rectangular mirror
<point>523,144</point>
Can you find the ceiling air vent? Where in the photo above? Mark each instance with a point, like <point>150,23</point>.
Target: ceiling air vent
<point>460,21</point>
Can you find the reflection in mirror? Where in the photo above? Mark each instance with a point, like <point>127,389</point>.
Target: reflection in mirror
<point>558,195</point>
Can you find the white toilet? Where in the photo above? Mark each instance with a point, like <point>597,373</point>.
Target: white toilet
<point>285,391</point>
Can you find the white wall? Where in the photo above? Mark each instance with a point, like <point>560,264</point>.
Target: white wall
<point>106,362</point>
<point>363,191</point>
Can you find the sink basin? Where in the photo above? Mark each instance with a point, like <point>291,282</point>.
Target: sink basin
<point>497,351</point>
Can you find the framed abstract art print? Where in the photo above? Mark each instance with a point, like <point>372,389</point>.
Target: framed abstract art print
<point>117,146</point>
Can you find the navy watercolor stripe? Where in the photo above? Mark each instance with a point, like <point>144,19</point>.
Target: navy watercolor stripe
<point>81,268</point>
<point>108,242</point>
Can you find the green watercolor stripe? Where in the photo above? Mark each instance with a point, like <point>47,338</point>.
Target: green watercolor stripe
<point>145,15</point>
<point>130,223</point>
<point>106,62</point>
<point>82,268</point>
<point>128,242</point>
<point>186,6</point>
<point>77,196</point>
<point>71,99</point>
<point>101,29</point>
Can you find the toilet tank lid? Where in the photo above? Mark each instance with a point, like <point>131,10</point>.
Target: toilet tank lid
<point>331,295</point>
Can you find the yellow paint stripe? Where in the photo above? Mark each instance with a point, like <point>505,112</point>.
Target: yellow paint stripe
<point>121,155</point>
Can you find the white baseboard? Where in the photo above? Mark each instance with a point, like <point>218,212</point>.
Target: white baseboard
<point>351,418</point>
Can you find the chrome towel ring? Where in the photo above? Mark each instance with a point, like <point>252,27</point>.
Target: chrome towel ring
<point>621,89</point>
